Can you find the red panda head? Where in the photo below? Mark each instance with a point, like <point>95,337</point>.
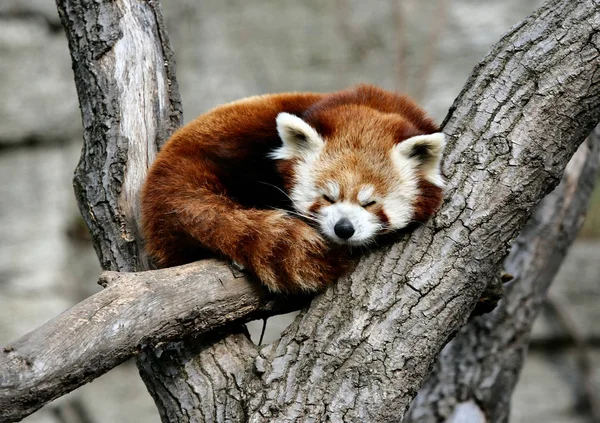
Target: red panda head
<point>359,172</point>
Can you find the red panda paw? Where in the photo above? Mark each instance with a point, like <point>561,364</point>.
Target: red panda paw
<point>299,260</point>
<point>308,270</point>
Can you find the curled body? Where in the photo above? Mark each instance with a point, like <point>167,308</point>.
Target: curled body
<point>285,184</point>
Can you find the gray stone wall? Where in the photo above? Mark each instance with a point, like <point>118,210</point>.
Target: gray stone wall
<point>226,50</point>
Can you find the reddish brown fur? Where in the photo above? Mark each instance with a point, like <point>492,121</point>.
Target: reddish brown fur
<point>324,117</point>
<point>212,188</point>
<point>428,202</point>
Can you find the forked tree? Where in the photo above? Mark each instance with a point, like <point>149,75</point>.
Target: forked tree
<point>360,351</point>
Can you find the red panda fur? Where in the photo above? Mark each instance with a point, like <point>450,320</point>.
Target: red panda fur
<point>214,190</point>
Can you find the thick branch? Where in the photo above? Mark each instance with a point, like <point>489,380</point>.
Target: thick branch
<point>479,368</point>
<point>136,310</point>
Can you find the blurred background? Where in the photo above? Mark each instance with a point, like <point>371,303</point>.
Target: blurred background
<point>227,49</point>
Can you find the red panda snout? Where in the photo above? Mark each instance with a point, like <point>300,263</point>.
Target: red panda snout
<point>348,223</point>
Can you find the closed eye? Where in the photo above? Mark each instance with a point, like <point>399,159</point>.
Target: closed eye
<point>369,204</point>
<point>328,199</point>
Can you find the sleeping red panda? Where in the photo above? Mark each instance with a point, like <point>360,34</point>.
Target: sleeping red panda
<point>285,184</point>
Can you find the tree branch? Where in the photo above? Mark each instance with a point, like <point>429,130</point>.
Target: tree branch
<point>479,368</point>
<point>134,311</point>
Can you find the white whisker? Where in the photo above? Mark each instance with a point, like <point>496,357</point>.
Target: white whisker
<point>295,213</point>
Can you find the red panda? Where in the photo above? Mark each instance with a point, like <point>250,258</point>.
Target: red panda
<point>285,184</point>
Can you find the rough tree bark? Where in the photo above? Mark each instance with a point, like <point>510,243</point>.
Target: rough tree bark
<point>474,378</point>
<point>130,104</point>
<point>133,311</point>
<point>363,348</point>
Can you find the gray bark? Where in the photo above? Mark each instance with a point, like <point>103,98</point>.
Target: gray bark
<point>129,100</point>
<point>125,80</point>
<point>363,348</point>
<point>134,311</point>
<point>477,371</point>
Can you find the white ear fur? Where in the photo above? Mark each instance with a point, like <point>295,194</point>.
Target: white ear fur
<point>427,151</point>
<point>299,138</point>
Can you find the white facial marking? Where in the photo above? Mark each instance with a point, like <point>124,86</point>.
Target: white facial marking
<point>397,204</point>
<point>332,190</point>
<point>366,225</point>
<point>365,194</point>
<point>304,192</point>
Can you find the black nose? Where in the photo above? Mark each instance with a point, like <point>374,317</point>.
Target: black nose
<point>343,228</point>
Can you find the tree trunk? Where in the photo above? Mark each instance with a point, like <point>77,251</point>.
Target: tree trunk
<point>477,371</point>
<point>129,100</point>
<point>362,349</point>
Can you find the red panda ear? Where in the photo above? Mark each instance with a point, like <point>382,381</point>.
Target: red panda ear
<point>298,137</point>
<point>427,151</point>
